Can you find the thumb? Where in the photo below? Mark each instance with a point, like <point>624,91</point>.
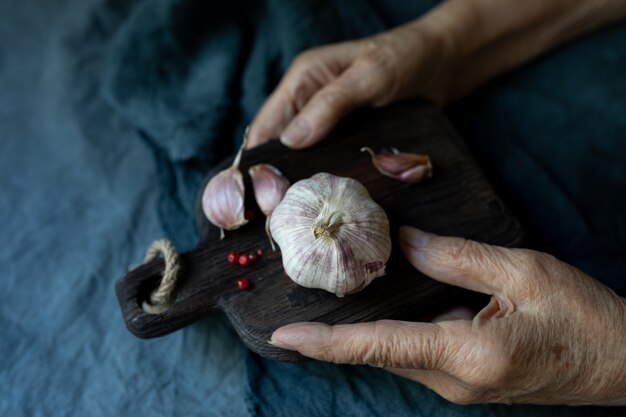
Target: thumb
<point>457,261</point>
<point>384,343</point>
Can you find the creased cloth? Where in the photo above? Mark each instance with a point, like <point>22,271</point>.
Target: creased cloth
<point>112,111</point>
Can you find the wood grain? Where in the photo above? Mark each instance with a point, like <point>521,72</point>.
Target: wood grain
<point>457,201</point>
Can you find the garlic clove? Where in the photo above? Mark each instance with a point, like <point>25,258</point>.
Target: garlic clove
<point>270,186</point>
<point>402,166</point>
<point>223,196</point>
<point>416,174</point>
<point>332,235</point>
<point>223,200</point>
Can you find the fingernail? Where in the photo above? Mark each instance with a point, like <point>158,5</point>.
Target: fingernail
<point>297,131</point>
<point>414,237</point>
<point>296,336</point>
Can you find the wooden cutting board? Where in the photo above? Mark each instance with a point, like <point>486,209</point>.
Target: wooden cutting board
<point>457,201</point>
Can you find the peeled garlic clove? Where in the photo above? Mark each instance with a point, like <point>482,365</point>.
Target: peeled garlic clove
<point>270,186</point>
<point>402,166</point>
<point>223,196</point>
<point>332,234</point>
<point>222,200</point>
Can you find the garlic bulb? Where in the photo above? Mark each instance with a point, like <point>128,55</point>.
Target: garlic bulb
<point>332,234</point>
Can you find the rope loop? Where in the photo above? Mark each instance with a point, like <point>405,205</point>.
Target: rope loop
<point>160,299</point>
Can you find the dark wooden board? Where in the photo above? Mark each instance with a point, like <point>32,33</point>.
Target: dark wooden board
<point>456,201</point>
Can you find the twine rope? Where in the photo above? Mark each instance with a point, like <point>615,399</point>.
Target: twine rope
<point>160,299</point>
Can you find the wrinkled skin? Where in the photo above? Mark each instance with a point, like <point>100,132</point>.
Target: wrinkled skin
<point>441,56</point>
<point>550,335</point>
<point>324,84</point>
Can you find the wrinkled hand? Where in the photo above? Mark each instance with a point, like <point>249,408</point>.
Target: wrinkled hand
<point>550,335</point>
<point>323,84</point>
<point>440,56</point>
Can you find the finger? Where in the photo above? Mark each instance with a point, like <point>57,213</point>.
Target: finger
<point>308,73</point>
<point>456,261</point>
<point>277,111</point>
<point>274,115</point>
<point>383,343</point>
<point>280,108</point>
<point>324,110</point>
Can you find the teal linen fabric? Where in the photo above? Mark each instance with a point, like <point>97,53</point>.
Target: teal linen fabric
<point>552,137</point>
<point>111,112</point>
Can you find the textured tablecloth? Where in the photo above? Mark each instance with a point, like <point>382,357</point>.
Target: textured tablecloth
<point>112,111</point>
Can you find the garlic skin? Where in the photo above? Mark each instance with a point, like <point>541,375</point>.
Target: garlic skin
<point>270,186</point>
<point>331,233</point>
<point>223,196</point>
<point>223,200</point>
<point>402,166</point>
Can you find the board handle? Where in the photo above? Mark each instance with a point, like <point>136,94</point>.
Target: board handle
<point>193,298</point>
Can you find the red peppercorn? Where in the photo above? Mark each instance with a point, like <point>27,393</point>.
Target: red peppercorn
<point>249,214</point>
<point>243,283</point>
<point>233,257</point>
<point>253,257</point>
<point>260,253</point>
<point>244,260</point>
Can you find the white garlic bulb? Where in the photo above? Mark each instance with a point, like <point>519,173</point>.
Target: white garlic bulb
<point>332,234</point>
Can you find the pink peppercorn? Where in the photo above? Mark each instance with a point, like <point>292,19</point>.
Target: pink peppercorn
<point>244,260</point>
<point>233,257</point>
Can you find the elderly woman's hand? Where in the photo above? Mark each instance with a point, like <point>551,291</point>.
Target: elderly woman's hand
<point>323,84</point>
<point>550,335</point>
<point>441,56</point>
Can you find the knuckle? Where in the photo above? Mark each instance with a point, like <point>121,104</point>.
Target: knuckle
<point>375,84</point>
<point>430,352</point>
<point>372,63</point>
<point>332,98</point>
<point>535,266</point>
<point>377,67</point>
<point>472,254</point>
<point>394,347</point>
<point>379,54</point>
<point>300,93</point>
<point>359,348</point>
<point>380,349</point>
<point>538,271</point>
<point>385,344</point>
<point>544,262</point>
<point>534,259</point>
<point>466,255</point>
<point>304,59</point>
<point>461,396</point>
<point>423,351</point>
